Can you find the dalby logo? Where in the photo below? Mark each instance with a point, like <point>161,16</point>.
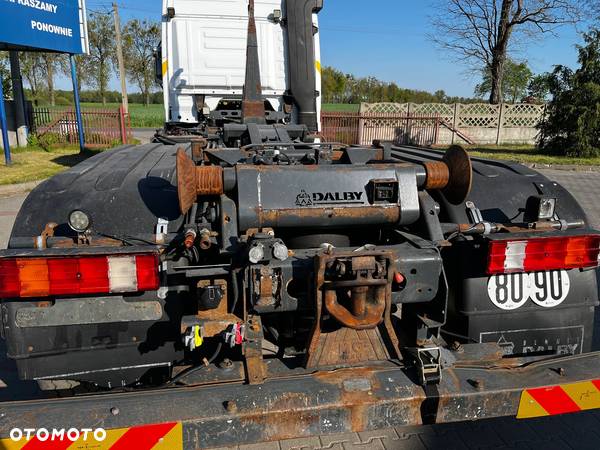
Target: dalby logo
<point>303,199</point>
<point>328,198</point>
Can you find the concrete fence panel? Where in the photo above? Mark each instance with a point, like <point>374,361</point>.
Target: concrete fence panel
<point>476,123</point>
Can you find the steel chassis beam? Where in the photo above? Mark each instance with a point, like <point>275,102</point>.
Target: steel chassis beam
<point>344,400</point>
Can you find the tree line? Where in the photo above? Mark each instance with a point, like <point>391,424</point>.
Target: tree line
<point>139,38</point>
<point>519,84</point>
<point>65,98</point>
<point>339,87</point>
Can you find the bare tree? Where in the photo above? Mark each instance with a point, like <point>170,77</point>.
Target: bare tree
<point>483,33</point>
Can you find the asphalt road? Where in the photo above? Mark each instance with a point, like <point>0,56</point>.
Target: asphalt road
<point>576,431</point>
<point>144,135</point>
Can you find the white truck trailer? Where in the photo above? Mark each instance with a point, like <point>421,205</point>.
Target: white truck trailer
<point>201,63</point>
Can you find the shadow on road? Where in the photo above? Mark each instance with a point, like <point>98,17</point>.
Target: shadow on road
<point>73,160</point>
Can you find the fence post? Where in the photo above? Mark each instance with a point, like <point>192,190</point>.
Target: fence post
<point>500,123</point>
<point>122,125</point>
<point>408,132</point>
<point>361,124</point>
<point>455,121</point>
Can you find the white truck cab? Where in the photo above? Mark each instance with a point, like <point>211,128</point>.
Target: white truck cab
<point>202,60</point>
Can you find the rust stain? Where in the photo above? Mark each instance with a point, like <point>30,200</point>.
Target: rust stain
<point>294,414</point>
<point>288,418</point>
<point>386,214</point>
<point>337,155</point>
<point>186,181</point>
<point>356,401</point>
<point>198,145</point>
<point>205,242</point>
<point>360,339</point>
<point>265,281</point>
<point>438,175</point>
<point>96,242</point>
<point>190,238</point>
<point>253,108</point>
<point>193,180</point>
<point>367,315</point>
<point>209,180</point>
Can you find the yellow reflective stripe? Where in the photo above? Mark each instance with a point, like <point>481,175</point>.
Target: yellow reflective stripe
<point>173,440</point>
<point>318,66</point>
<point>165,67</point>
<point>529,408</point>
<point>584,394</point>
<point>9,444</point>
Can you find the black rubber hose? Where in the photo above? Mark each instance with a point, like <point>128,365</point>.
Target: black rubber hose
<point>194,369</point>
<point>236,289</point>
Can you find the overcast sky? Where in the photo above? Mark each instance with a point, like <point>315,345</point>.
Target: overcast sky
<point>388,39</point>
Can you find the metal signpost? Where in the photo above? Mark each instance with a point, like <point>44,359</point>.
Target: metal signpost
<point>47,26</point>
<point>4,124</point>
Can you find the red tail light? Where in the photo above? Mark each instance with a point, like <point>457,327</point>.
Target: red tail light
<point>43,277</point>
<point>540,254</point>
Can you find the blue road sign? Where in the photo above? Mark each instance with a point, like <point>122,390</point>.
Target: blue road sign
<point>58,25</point>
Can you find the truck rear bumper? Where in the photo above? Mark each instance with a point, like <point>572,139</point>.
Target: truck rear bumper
<point>358,399</point>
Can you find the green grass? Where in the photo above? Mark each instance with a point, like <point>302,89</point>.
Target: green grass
<point>527,154</point>
<point>142,116</point>
<point>340,107</point>
<point>34,163</point>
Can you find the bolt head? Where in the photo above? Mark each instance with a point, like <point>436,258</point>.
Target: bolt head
<point>280,251</point>
<point>256,253</point>
<point>231,406</point>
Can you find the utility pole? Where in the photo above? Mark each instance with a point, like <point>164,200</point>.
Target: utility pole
<point>120,59</point>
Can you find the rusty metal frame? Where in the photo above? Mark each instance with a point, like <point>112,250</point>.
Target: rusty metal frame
<point>358,399</point>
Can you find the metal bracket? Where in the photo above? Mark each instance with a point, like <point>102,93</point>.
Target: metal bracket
<point>252,349</point>
<point>427,361</point>
<point>431,217</point>
<point>476,218</point>
<point>474,213</point>
<point>162,229</point>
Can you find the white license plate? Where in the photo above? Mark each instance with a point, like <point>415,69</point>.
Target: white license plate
<point>512,291</point>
